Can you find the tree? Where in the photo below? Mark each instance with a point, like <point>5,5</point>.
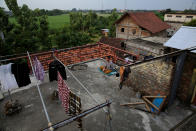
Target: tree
<point>168,10</point>
<point>74,10</point>
<point>161,16</point>
<point>44,33</point>
<point>69,38</point>
<point>191,23</point>
<point>31,31</point>
<point>189,11</point>
<point>112,19</point>
<point>5,32</point>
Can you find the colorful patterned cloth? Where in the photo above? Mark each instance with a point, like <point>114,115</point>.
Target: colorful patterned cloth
<point>63,92</point>
<point>39,70</point>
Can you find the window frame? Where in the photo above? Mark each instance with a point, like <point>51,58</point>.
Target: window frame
<point>122,30</point>
<point>178,16</point>
<point>189,16</point>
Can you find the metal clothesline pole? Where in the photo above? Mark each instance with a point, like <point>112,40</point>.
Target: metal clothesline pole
<point>40,94</point>
<point>73,118</point>
<point>80,84</point>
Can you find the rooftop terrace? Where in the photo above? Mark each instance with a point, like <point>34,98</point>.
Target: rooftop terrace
<point>102,87</point>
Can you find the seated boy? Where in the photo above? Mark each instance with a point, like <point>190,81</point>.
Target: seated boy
<point>108,67</point>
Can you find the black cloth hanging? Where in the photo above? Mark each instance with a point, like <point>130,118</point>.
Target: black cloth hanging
<point>54,67</point>
<point>21,73</point>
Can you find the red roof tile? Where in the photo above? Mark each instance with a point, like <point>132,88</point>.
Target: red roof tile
<point>147,20</point>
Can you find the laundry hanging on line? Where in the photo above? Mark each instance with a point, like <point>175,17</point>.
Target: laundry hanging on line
<point>21,73</point>
<point>63,92</point>
<point>124,74</point>
<point>39,70</point>
<point>55,67</point>
<point>7,79</point>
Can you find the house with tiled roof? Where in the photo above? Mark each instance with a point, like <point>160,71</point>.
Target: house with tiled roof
<point>140,24</point>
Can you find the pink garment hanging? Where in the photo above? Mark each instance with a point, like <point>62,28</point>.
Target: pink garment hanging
<point>39,70</point>
<point>63,92</point>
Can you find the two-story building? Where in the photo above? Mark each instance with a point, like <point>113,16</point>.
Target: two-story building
<point>140,24</point>
<point>179,17</point>
<point>176,20</point>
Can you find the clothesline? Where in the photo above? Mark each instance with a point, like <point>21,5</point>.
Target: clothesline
<point>37,85</point>
<point>73,118</point>
<point>80,83</point>
<point>40,94</point>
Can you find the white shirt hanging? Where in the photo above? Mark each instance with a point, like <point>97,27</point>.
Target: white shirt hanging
<point>7,79</point>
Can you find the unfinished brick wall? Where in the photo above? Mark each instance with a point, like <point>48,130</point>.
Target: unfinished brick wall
<point>184,86</point>
<point>45,58</point>
<point>79,54</point>
<point>151,78</point>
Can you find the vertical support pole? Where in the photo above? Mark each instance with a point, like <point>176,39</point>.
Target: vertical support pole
<point>192,88</point>
<point>110,118</point>
<point>10,95</point>
<point>40,94</point>
<point>177,76</point>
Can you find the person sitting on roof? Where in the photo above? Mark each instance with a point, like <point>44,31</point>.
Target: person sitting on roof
<point>109,66</point>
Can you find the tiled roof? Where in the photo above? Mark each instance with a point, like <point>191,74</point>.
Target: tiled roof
<point>147,20</point>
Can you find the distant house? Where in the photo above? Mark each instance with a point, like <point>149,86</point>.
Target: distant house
<point>176,20</point>
<point>185,38</point>
<point>179,17</point>
<point>105,32</point>
<point>140,24</point>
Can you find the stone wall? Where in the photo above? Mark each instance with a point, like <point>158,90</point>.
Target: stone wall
<point>151,78</point>
<point>174,27</point>
<point>144,48</point>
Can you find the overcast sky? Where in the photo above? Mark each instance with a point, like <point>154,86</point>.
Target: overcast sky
<point>107,4</point>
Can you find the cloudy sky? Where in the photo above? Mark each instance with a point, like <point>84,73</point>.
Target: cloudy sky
<point>107,4</point>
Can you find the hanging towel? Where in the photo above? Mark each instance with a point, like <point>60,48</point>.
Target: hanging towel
<point>63,93</point>
<point>7,79</point>
<point>39,70</point>
<point>54,67</point>
<point>21,73</point>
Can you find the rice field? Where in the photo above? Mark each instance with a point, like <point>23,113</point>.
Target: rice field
<point>58,21</point>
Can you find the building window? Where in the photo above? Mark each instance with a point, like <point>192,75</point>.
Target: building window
<point>169,15</point>
<point>122,29</point>
<point>134,31</point>
<point>122,44</point>
<point>178,16</point>
<point>189,16</point>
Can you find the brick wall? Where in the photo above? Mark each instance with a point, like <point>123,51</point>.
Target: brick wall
<point>151,78</point>
<point>79,54</point>
<point>145,33</point>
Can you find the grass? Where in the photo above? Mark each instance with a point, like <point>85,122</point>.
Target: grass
<point>12,20</point>
<point>55,22</point>
<point>58,21</point>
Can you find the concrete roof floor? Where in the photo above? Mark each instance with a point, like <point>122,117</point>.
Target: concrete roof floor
<point>102,87</point>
